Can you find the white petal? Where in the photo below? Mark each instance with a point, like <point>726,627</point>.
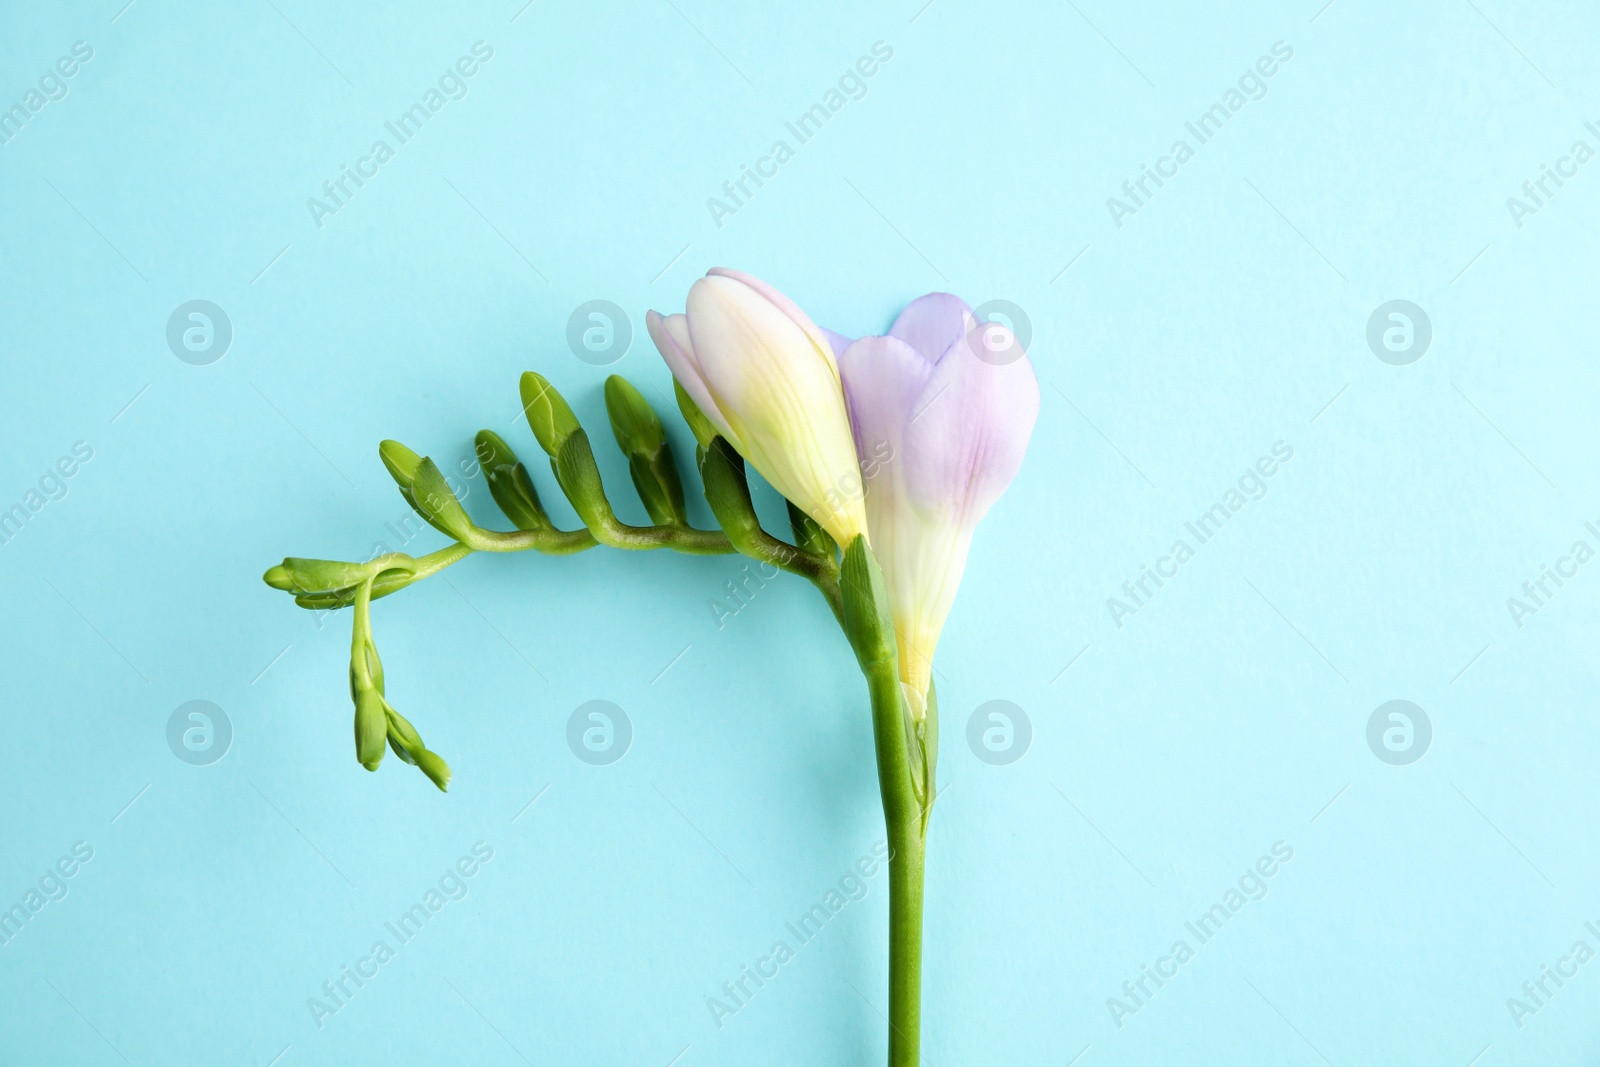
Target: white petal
<point>671,336</point>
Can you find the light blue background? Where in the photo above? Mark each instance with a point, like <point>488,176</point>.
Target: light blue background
<point>1229,713</point>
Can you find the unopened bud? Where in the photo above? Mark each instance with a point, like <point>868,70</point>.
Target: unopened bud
<point>431,496</point>
<point>641,437</point>
<point>548,414</point>
<point>372,728</point>
<point>401,461</point>
<point>509,483</point>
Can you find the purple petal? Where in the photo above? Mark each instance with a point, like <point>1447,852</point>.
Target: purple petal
<point>838,340</point>
<point>965,440</point>
<point>883,376</point>
<point>932,324</point>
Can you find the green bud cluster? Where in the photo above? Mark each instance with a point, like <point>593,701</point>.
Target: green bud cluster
<point>376,719</point>
<point>639,433</point>
<point>327,583</point>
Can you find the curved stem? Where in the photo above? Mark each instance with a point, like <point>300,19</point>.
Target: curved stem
<point>905,820</point>
<point>683,539</point>
<point>548,542</point>
<point>432,563</point>
<point>551,542</point>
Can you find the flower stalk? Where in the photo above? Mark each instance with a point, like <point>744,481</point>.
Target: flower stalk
<point>939,428</point>
<point>905,782</point>
<point>906,821</point>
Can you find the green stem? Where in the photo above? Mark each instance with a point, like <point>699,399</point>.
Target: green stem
<point>609,531</point>
<point>361,635</point>
<point>905,945</point>
<point>904,819</point>
<point>434,562</point>
<point>424,566</point>
<point>549,541</point>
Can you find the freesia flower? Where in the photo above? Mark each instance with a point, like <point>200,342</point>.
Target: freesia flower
<point>951,403</point>
<point>767,378</point>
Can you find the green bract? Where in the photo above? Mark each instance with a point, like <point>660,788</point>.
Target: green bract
<point>866,607</point>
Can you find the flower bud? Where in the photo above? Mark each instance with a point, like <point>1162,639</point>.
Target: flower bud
<point>278,577</point>
<point>434,766</point>
<point>728,493</point>
<point>765,376</point>
<point>548,415</point>
<point>579,476</point>
<point>401,462</point>
<point>372,728</point>
<point>641,437</point>
<point>434,501</point>
<point>510,484</point>
<point>304,576</point>
<point>403,737</point>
